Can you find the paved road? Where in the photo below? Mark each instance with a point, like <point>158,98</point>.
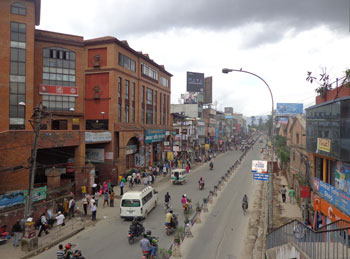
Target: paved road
<point>108,239</point>
<point>222,235</point>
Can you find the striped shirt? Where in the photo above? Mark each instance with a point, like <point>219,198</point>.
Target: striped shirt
<point>60,254</point>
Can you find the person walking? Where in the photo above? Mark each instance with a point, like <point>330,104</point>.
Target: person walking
<point>60,253</point>
<point>291,195</point>
<point>111,198</point>
<point>283,192</point>
<point>85,202</point>
<point>16,230</point>
<point>43,223</point>
<point>121,185</point>
<point>105,198</point>
<point>71,208</point>
<point>93,211</point>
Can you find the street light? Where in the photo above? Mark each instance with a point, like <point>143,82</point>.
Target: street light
<point>39,113</point>
<point>270,208</point>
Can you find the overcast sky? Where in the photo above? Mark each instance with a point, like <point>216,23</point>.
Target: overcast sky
<point>280,40</point>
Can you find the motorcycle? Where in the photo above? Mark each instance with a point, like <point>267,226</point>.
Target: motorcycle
<point>154,242</point>
<point>167,206</point>
<point>211,167</point>
<point>77,255</point>
<point>135,231</point>
<point>244,207</point>
<point>201,186</point>
<point>170,229</point>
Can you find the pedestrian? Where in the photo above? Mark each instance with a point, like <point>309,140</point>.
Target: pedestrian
<point>129,180</point>
<point>60,207</point>
<point>16,230</point>
<point>43,223</point>
<point>105,198</point>
<point>65,207</point>
<point>283,192</point>
<point>105,187</point>
<point>92,201</point>
<point>71,208</point>
<point>291,195</point>
<point>138,178</point>
<point>97,196</point>
<point>85,202</point>
<point>145,180</point>
<point>60,219</point>
<point>111,198</point>
<point>60,253</point>
<point>188,168</point>
<point>165,171</point>
<point>109,184</point>
<point>93,211</point>
<point>121,185</point>
<point>150,178</point>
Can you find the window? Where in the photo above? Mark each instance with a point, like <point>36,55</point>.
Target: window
<point>155,107</point>
<point>133,114</point>
<point>297,137</point>
<point>133,91</point>
<point>143,95</point>
<point>149,116</point>
<point>126,62</point>
<point>293,156</point>
<point>18,8</point>
<point>59,67</point>
<point>126,90</point>
<point>164,104</point>
<point>58,102</point>
<point>149,72</point>
<point>149,96</point>
<point>119,87</point>
<point>164,81</point>
<point>17,74</point>
<point>59,125</point>
<point>119,112</point>
<point>127,113</point>
<point>146,198</point>
<point>142,115</point>
<point>131,203</point>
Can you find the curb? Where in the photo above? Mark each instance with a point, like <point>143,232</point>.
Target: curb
<point>51,244</point>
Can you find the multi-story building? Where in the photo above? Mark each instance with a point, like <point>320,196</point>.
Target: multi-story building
<point>104,108</point>
<point>328,142</point>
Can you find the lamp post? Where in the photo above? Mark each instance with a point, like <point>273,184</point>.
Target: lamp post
<point>270,194</point>
<point>39,113</point>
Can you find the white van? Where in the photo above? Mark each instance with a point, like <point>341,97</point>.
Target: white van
<point>138,203</point>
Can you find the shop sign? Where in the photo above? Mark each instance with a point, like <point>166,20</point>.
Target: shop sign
<point>261,176</point>
<point>324,144</point>
<point>170,156</point>
<point>167,148</point>
<point>18,197</point>
<point>335,196</point>
<point>58,90</point>
<point>316,184</point>
<point>76,121</point>
<point>327,209</point>
<point>131,149</point>
<point>207,146</point>
<point>176,148</point>
<point>166,143</point>
<point>92,137</point>
<point>95,155</point>
<point>109,155</point>
<point>259,166</point>
<point>154,136</point>
<point>305,191</point>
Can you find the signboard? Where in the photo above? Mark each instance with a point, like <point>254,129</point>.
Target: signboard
<point>228,110</point>
<point>38,193</point>
<point>289,108</point>
<point>282,120</point>
<point>305,191</point>
<point>334,196</point>
<point>327,209</point>
<point>207,146</point>
<point>176,148</point>
<point>18,197</point>
<point>324,144</point>
<point>96,155</point>
<point>208,90</point>
<point>92,137</point>
<point>229,117</point>
<point>58,90</point>
<point>261,176</point>
<point>195,82</point>
<point>259,166</point>
<point>131,149</point>
<point>190,98</point>
<point>155,135</point>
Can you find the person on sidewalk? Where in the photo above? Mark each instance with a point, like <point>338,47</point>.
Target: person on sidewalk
<point>85,202</point>
<point>283,192</point>
<point>43,223</point>
<point>97,196</point>
<point>111,198</point>
<point>66,207</point>
<point>60,253</point>
<point>291,195</point>
<point>60,219</point>
<point>105,198</point>
<point>121,185</point>
<point>16,230</point>
<point>71,208</point>
<point>93,211</point>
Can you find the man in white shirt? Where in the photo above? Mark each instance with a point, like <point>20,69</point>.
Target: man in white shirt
<point>60,219</point>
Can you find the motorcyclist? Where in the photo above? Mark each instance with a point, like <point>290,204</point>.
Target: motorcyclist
<point>153,241</point>
<point>136,226</point>
<point>245,201</point>
<point>184,200</point>
<point>169,219</point>
<point>201,182</point>
<point>167,199</point>
<point>211,165</point>
<point>146,245</point>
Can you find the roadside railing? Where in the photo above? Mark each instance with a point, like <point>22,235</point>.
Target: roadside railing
<point>330,243</point>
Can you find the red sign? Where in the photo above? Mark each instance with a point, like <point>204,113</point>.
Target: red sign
<point>304,192</point>
<point>58,90</point>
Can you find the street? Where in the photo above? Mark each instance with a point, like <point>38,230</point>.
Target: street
<point>108,239</point>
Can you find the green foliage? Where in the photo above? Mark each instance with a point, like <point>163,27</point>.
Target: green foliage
<point>280,144</point>
<point>164,252</point>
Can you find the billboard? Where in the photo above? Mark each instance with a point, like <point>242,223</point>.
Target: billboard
<point>208,90</point>
<point>289,108</point>
<point>189,98</point>
<point>259,166</point>
<point>282,120</point>
<point>228,110</point>
<point>58,90</point>
<point>195,82</point>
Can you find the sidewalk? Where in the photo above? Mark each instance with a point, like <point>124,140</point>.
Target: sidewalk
<point>78,223</point>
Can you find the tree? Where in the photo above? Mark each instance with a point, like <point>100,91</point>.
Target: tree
<point>280,144</point>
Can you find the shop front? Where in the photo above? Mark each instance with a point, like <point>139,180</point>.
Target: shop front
<point>131,151</point>
<point>154,143</point>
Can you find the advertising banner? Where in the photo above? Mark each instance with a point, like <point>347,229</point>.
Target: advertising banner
<point>18,197</point>
<point>289,108</point>
<point>195,82</point>
<point>327,209</point>
<point>58,90</point>
<point>259,166</point>
<point>282,120</point>
<point>334,196</point>
<point>324,144</point>
<point>155,135</point>
<point>261,176</point>
<point>91,137</point>
<point>208,90</point>
<point>95,155</point>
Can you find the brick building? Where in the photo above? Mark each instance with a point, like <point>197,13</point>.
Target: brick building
<point>105,103</point>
